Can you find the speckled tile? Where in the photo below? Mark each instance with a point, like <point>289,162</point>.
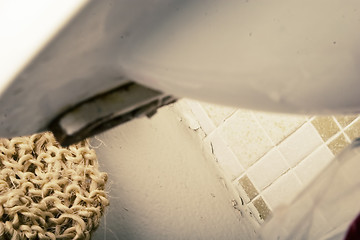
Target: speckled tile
<point>246,138</point>
<point>217,113</point>
<point>248,187</point>
<point>338,144</point>
<point>326,126</point>
<point>279,126</point>
<point>354,130</point>
<point>262,208</point>
<point>345,120</point>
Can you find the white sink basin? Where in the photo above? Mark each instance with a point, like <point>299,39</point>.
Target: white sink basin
<point>287,56</point>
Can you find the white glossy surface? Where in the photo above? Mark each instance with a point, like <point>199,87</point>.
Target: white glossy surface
<point>289,56</point>
<point>292,56</point>
<point>26,26</point>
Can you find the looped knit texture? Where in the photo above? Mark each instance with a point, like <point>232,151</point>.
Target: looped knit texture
<point>49,192</point>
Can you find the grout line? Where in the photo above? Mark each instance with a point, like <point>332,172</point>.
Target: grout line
<point>264,199</point>
<point>236,180</point>
<point>300,181</point>
<point>333,137</point>
<point>347,138</point>
<point>227,117</point>
<point>288,170</point>
<point>311,118</point>
<point>315,149</point>
<point>352,123</point>
<point>275,147</point>
<point>292,133</point>
<point>262,128</point>
<point>341,129</point>
<point>267,135</point>
<point>282,155</point>
<point>337,123</point>
<point>272,142</point>
<point>348,126</point>
<point>336,135</point>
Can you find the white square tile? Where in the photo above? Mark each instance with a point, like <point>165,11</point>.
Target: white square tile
<point>312,165</point>
<point>283,190</point>
<point>245,137</point>
<point>267,169</point>
<point>279,126</point>
<point>225,157</point>
<point>300,144</point>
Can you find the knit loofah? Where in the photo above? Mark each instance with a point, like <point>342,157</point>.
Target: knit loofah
<point>49,192</point>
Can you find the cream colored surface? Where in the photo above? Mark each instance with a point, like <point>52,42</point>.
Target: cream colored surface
<point>244,136</point>
<point>162,186</point>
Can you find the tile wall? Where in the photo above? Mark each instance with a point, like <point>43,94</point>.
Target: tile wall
<point>267,157</point>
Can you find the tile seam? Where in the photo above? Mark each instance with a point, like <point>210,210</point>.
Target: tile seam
<point>341,130</point>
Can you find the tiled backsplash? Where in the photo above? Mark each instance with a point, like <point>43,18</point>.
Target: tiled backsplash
<point>267,157</point>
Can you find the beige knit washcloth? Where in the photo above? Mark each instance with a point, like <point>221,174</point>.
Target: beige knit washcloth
<point>49,192</point>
